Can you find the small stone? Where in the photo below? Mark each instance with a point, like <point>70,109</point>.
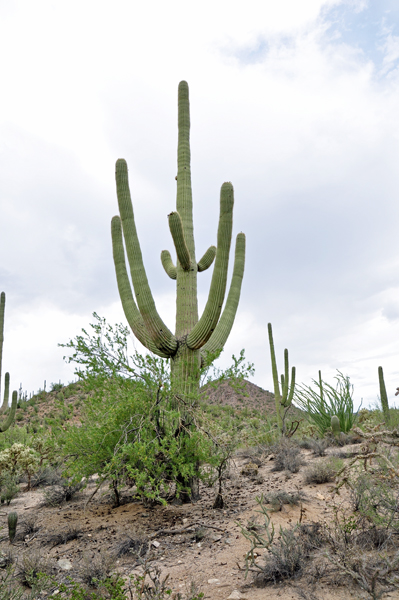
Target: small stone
<point>235,595</point>
<point>156,544</point>
<point>214,581</point>
<point>64,564</point>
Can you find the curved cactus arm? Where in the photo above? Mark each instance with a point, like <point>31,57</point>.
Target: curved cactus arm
<point>176,229</point>
<point>207,259</point>
<point>285,380</point>
<point>160,334</point>
<point>168,265</point>
<point>203,330</point>
<point>130,309</point>
<point>222,331</point>
<point>2,309</point>
<point>4,426</point>
<point>383,396</point>
<point>4,406</point>
<point>292,387</point>
<point>276,384</point>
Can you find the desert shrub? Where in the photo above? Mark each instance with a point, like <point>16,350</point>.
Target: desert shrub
<point>374,499</point>
<point>30,568</point>
<point>285,558</point>
<point>19,459</point>
<point>9,487</point>
<point>287,456</point>
<point>95,570</point>
<point>322,471</point>
<point>27,527</point>
<point>325,401</point>
<point>319,446</point>
<point>278,499</point>
<point>63,537</point>
<point>46,476</point>
<point>58,494</point>
<point>136,545</point>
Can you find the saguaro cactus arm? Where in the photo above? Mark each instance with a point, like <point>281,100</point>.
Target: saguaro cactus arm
<point>10,418</point>
<point>384,397</point>
<point>222,331</point>
<point>285,397</point>
<point>4,406</point>
<point>160,334</point>
<point>168,265</point>
<point>207,259</point>
<point>203,330</point>
<point>176,229</point>
<point>129,306</point>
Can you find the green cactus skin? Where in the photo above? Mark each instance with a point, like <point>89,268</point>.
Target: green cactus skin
<point>284,398</point>
<point>335,426</point>
<point>8,421</point>
<point>384,397</point>
<point>195,338</point>
<point>12,520</point>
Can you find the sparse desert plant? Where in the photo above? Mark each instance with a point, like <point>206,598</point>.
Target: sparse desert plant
<point>322,471</point>
<point>19,459</point>
<point>135,544</point>
<point>9,487</point>
<point>287,456</point>
<point>58,494</point>
<point>95,571</point>
<point>319,446</point>
<point>326,401</point>
<point>63,537</point>
<point>278,499</point>
<point>30,568</point>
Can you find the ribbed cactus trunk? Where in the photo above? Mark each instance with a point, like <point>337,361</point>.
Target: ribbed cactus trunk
<point>384,397</point>
<point>7,422</point>
<point>195,339</point>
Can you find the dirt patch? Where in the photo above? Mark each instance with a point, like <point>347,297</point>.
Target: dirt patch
<point>189,542</point>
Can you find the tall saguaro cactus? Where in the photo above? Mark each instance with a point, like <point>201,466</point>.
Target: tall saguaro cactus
<point>384,397</point>
<point>195,338</point>
<point>6,424</point>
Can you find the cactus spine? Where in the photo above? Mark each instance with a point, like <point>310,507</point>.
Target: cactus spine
<point>12,520</point>
<point>6,424</point>
<point>384,397</point>
<point>195,339</point>
<point>284,398</point>
<point>335,426</point>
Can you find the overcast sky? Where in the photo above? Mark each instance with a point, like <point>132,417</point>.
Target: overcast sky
<point>294,102</point>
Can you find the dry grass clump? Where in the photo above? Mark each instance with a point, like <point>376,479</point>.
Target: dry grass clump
<point>278,499</point>
<point>321,472</point>
<point>30,566</point>
<point>96,568</point>
<point>135,545</point>
<point>63,537</point>
<point>287,456</point>
<point>58,494</point>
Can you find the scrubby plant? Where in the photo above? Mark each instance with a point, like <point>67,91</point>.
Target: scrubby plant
<point>19,459</point>
<point>322,471</point>
<point>287,456</point>
<point>278,499</point>
<point>9,487</point>
<point>325,401</point>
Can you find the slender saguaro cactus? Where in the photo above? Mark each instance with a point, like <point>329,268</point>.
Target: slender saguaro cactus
<point>195,339</point>
<point>384,397</point>
<point>6,424</point>
<point>284,398</point>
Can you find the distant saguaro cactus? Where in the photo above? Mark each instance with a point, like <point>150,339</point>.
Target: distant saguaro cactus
<point>284,398</point>
<point>383,396</point>
<point>6,424</point>
<point>195,339</point>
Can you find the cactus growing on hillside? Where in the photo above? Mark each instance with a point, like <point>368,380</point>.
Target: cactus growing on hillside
<point>383,396</point>
<point>196,339</point>
<point>6,424</point>
<point>284,398</point>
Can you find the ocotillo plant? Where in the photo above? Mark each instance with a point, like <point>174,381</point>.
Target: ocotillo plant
<point>195,339</point>
<point>284,398</point>
<point>4,407</point>
<point>383,396</point>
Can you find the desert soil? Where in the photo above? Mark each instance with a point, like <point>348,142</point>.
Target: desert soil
<point>214,563</point>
